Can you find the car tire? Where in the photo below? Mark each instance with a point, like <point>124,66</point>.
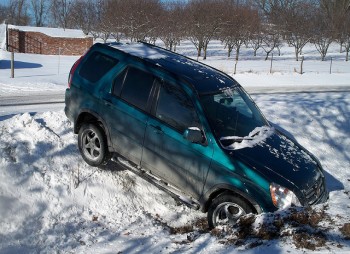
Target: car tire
<point>92,144</point>
<point>226,209</point>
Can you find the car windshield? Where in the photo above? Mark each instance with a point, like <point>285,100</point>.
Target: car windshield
<point>233,116</point>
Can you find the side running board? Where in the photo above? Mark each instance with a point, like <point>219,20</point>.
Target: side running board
<point>148,176</point>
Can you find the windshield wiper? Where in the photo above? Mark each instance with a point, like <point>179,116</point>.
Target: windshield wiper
<point>235,139</point>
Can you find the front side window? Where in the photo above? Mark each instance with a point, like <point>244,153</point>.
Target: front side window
<point>96,66</point>
<point>175,108</point>
<point>137,87</point>
<point>118,83</point>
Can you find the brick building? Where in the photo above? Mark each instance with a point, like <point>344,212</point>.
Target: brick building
<point>47,41</point>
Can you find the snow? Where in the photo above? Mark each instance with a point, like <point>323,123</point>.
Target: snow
<point>53,32</point>
<point>2,36</point>
<point>52,201</point>
<point>255,137</point>
<point>140,50</point>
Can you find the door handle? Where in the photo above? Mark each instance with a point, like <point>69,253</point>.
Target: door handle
<point>107,102</point>
<point>157,129</point>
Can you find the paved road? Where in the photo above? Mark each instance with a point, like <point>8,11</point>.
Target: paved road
<point>297,89</point>
<point>11,105</point>
<point>31,99</point>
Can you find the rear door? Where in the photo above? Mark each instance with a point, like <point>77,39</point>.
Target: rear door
<point>166,152</point>
<point>127,107</point>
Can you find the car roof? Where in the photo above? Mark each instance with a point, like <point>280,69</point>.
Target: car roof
<point>204,78</point>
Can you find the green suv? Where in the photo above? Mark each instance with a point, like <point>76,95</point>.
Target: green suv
<point>189,129</point>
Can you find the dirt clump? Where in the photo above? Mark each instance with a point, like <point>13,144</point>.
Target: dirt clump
<point>304,240</point>
<point>345,230</point>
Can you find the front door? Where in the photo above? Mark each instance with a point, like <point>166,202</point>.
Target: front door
<point>166,152</point>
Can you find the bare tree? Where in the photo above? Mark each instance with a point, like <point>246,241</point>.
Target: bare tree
<point>203,18</point>
<point>172,27</point>
<point>39,9</point>
<point>298,25</point>
<point>136,19</point>
<point>104,18</point>
<point>17,13</point>
<point>83,15</point>
<point>237,25</point>
<point>271,39</point>
<point>61,12</point>
<point>323,33</point>
<point>255,33</point>
<point>3,13</point>
<point>337,12</point>
<point>293,18</point>
<point>345,35</point>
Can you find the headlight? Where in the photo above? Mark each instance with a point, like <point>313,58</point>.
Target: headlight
<point>282,197</point>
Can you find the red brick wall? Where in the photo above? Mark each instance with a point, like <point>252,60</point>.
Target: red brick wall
<point>39,43</point>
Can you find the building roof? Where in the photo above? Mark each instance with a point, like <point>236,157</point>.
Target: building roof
<point>204,78</point>
<point>52,32</point>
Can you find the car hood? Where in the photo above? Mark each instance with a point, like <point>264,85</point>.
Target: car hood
<point>278,155</point>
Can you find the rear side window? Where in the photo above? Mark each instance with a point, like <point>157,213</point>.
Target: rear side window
<point>137,87</point>
<point>96,66</point>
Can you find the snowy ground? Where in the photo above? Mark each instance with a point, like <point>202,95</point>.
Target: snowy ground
<point>51,201</point>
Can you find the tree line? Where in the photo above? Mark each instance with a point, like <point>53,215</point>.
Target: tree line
<point>258,24</point>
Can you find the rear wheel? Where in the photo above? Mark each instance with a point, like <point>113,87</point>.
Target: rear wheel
<point>92,144</point>
<point>226,209</point>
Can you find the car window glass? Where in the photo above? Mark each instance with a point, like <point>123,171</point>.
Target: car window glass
<point>137,87</point>
<point>118,82</point>
<point>235,102</point>
<point>176,108</point>
<point>96,66</point>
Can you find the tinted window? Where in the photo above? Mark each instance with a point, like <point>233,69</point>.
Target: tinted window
<point>176,108</point>
<point>96,66</point>
<point>118,83</point>
<point>137,87</point>
<point>232,113</point>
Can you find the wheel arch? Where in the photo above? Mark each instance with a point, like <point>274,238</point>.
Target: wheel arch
<point>89,116</point>
<point>221,189</point>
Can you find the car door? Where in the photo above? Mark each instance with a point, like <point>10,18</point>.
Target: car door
<point>126,108</point>
<point>166,152</point>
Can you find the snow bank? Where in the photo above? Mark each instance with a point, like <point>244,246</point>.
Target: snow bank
<point>52,201</point>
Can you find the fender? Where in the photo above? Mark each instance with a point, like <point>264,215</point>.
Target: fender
<point>100,119</point>
<point>247,194</point>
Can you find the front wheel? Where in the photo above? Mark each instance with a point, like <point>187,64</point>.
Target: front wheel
<point>226,209</point>
<point>93,145</point>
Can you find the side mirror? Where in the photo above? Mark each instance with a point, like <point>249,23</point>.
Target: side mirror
<point>193,134</point>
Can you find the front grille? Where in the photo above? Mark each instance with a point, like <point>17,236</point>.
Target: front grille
<point>316,191</point>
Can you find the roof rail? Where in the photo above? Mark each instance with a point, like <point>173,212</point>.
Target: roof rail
<point>167,50</point>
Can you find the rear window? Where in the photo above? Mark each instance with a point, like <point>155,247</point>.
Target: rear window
<point>96,66</point>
